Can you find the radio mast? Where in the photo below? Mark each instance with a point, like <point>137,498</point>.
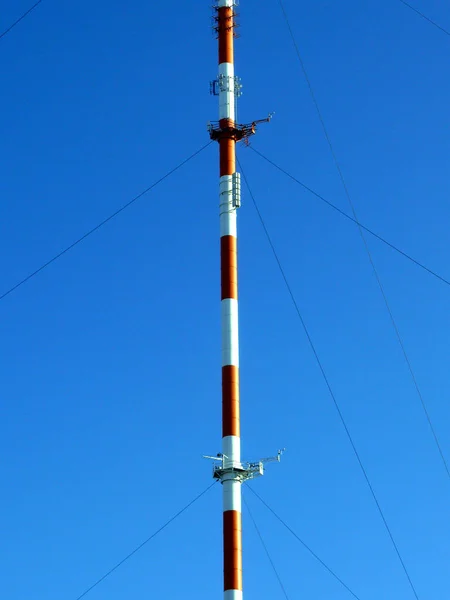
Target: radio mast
<point>229,469</point>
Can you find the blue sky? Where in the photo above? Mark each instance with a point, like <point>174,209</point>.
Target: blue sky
<point>110,369</point>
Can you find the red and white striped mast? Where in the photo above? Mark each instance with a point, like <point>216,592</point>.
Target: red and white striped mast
<point>229,470</point>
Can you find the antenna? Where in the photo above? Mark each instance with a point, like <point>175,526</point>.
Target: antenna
<point>228,468</point>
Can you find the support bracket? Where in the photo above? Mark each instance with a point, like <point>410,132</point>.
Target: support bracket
<point>229,129</point>
<point>242,472</point>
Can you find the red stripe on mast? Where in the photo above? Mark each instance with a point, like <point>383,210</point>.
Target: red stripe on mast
<point>230,401</point>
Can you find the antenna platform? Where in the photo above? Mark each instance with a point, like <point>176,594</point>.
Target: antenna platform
<point>241,472</point>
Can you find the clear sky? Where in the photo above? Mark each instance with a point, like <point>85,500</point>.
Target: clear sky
<point>110,358</point>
